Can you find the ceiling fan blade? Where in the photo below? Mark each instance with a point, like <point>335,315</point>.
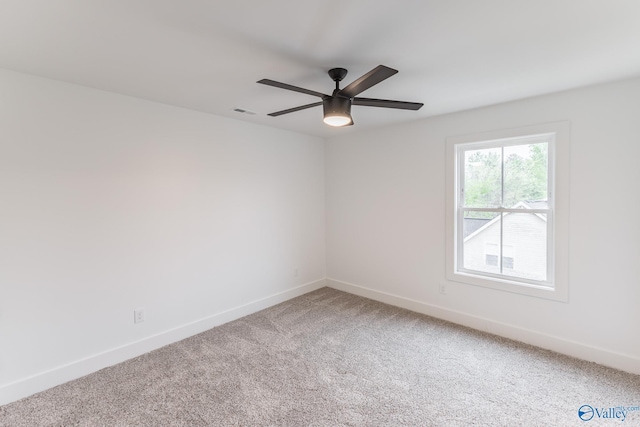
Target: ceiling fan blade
<point>294,109</point>
<point>290,87</point>
<point>372,78</point>
<point>386,103</point>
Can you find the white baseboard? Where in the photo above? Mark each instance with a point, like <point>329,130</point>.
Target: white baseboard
<point>59,375</point>
<point>601,356</point>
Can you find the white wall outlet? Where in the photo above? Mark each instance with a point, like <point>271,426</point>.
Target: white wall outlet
<point>138,315</point>
<point>443,288</point>
<point>296,272</point>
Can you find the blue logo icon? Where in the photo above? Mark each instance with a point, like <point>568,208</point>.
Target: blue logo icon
<point>585,412</point>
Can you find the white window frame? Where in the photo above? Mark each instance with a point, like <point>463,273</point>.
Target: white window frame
<point>556,287</point>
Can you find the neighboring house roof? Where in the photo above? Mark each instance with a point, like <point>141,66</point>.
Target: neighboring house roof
<point>479,228</point>
<point>473,224</point>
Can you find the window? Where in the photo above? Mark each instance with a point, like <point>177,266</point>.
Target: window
<point>507,210</point>
<point>492,252</point>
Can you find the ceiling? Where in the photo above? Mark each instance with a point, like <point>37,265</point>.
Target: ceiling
<point>206,55</point>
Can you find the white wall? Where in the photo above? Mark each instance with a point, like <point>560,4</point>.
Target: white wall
<point>110,203</point>
<point>386,223</point>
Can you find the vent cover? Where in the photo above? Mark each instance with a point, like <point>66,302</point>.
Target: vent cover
<point>244,111</point>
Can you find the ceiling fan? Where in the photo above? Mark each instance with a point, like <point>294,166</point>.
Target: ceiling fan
<point>337,106</point>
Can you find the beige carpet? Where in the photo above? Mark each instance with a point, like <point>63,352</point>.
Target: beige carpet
<point>329,358</point>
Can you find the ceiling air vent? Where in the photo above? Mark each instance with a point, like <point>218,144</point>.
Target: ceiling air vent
<point>245,111</point>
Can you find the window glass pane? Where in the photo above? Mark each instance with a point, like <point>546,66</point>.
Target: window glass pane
<point>482,178</point>
<point>525,246</point>
<point>507,263</point>
<point>481,249</point>
<point>525,175</point>
<point>507,257</point>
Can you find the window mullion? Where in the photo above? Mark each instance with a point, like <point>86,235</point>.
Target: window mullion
<point>509,210</point>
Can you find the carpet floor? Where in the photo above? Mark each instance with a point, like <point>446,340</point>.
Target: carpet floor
<point>329,358</point>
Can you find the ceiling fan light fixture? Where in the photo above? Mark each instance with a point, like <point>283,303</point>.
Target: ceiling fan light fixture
<point>337,121</point>
<point>337,111</point>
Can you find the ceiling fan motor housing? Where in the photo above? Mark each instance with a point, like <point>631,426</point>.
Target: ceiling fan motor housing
<point>337,108</point>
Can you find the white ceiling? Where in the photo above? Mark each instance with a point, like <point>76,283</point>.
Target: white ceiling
<point>207,55</point>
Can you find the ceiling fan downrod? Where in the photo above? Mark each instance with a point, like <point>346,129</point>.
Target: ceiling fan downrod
<point>337,74</point>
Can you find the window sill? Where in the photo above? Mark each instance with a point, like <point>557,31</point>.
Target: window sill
<point>512,286</point>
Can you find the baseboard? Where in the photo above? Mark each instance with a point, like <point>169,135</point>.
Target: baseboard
<point>79,368</point>
<point>582,351</point>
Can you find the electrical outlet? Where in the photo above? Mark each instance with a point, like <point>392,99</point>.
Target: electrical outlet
<point>443,288</point>
<point>296,273</point>
<point>138,315</point>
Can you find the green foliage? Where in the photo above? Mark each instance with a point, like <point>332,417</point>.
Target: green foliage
<point>525,176</point>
